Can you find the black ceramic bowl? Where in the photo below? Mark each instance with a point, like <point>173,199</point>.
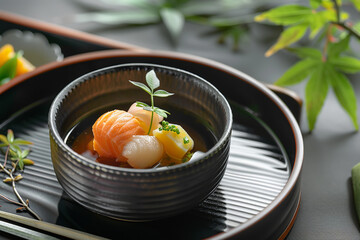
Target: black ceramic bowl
<point>139,194</point>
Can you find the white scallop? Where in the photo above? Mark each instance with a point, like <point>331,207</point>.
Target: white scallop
<point>143,151</point>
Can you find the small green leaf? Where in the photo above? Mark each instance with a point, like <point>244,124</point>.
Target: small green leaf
<point>142,86</point>
<point>306,52</point>
<point>161,112</point>
<point>319,20</point>
<point>335,49</point>
<point>286,15</point>
<point>141,104</point>
<point>315,94</point>
<point>298,72</point>
<point>19,141</point>
<point>148,108</point>
<point>3,139</point>
<point>162,93</point>
<point>152,80</point>
<point>27,161</point>
<point>15,148</point>
<point>24,153</point>
<point>344,93</point>
<point>10,136</point>
<point>20,165</point>
<point>173,20</point>
<point>346,64</point>
<point>287,37</point>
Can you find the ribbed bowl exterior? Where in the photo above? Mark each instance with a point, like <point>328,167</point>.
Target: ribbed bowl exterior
<point>138,194</point>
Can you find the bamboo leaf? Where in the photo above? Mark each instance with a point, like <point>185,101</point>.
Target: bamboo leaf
<point>173,20</point>
<point>152,80</point>
<point>315,94</point>
<point>298,72</point>
<point>344,93</point>
<point>285,15</point>
<point>287,37</point>
<point>346,64</point>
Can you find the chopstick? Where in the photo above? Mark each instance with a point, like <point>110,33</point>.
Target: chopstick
<point>40,225</point>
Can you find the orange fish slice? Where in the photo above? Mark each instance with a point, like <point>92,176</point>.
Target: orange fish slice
<point>112,131</point>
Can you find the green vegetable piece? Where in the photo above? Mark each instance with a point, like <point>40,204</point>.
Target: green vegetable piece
<point>355,176</point>
<point>8,70</point>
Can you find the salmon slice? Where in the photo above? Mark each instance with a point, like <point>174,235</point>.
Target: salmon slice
<point>112,131</point>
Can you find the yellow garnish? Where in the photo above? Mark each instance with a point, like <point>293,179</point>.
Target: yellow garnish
<point>176,142</point>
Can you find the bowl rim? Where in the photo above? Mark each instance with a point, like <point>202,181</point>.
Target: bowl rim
<point>224,138</point>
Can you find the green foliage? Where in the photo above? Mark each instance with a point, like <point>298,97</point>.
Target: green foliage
<point>325,66</point>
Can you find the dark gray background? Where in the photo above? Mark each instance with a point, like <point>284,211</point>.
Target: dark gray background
<point>326,210</point>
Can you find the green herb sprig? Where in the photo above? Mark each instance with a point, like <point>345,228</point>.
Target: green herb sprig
<point>153,83</point>
<point>18,159</point>
<point>165,126</point>
<point>327,63</point>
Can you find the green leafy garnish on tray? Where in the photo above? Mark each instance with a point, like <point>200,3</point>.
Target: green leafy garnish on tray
<point>19,159</point>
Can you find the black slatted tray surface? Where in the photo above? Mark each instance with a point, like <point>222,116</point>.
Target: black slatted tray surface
<point>257,171</point>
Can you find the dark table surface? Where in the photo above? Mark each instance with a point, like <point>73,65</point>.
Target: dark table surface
<point>326,209</point>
